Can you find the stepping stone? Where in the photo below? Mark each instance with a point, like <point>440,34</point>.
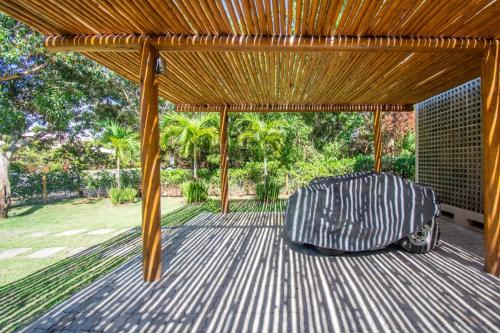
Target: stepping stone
<point>121,231</point>
<point>100,231</point>
<point>10,253</point>
<point>45,253</point>
<point>39,234</point>
<point>70,232</point>
<point>12,233</point>
<point>76,250</point>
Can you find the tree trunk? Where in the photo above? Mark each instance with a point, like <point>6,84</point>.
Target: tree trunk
<point>265,166</point>
<point>118,182</point>
<point>4,186</point>
<point>195,166</point>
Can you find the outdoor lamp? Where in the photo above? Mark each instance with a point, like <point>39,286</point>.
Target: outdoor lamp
<point>160,66</point>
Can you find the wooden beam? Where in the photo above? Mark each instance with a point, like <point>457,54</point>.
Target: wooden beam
<point>490,83</point>
<point>209,43</point>
<point>224,185</point>
<point>295,108</point>
<point>150,165</point>
<point>377,141</point>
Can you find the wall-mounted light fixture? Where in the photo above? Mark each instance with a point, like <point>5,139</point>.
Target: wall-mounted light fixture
<point>160,66</point>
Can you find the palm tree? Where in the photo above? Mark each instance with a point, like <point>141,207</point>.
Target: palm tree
<point>267,135</point>
<point>190,133</point>
<point>123,140</point>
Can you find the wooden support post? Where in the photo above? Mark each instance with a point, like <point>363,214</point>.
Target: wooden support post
<point>150,164</point>
<point>490,84</point>
<point>44,188</point>
<point>377,143</point>
<point>224,185</point>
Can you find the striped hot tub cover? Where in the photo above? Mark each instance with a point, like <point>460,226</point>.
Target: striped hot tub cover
<point>358,211</point>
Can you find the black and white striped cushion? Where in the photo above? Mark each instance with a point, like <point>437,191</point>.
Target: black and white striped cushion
<point>359,211</point>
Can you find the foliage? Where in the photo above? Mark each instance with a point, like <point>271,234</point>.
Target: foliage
<point>195,191</point>
<point>263,135</point>
<point>268,190</point>
<point>27,186</point>
<point>98,183</point>
<point>123,195</point>
<point>190,133</point>
<point>124,142</point>
<point>131,178</point>
<point>396,126</point>
<point>174,177</point>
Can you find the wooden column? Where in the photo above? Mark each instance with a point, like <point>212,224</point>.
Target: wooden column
<point>490,84</point>
<point>224,185</point>
<point>150,165</point>
<point>377,140</point>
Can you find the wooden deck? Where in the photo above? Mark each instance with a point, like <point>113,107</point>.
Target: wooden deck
<point>236,273</point>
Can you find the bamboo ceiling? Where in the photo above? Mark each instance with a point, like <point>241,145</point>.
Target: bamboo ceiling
<point>276,77</point>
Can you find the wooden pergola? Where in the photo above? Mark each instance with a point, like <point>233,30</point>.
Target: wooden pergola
<point>284,56</point>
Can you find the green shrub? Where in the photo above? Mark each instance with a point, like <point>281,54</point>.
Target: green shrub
<point>364,163</point>
<point>268,190</point>
<point>29,185</point>
<point>131,178</point>
<point>195,191</point>
<point>341,166</point>
<point>404,166</point>
<point>98,183</point>
<point>128,194</point>
<point>115,194</point>
<point>174,177</point>
<point>122,195</point>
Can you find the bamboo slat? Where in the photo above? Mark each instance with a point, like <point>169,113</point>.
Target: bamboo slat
<point>453,18</point>
<point>293,108</point>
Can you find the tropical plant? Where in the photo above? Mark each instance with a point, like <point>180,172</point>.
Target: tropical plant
<point>268,190</point>
<point>124,142</point>
<point>265,135</point>
<point>195,191</point>
<point>120,196</point>
<point>190,133</point>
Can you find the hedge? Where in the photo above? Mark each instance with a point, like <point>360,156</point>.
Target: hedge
<point>96,183</point>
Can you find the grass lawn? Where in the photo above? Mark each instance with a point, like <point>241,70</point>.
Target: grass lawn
<point>36,226</point>
<point>33,286</point>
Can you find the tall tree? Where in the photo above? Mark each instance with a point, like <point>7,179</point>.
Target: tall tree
<point>190,133</point>
<point>266,135</point>
<point>45,95</point>
<point>123,141</point>
<point>396,126</point>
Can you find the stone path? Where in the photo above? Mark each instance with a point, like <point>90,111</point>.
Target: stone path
<point>39,234</point>
<point>70,232</point>
<point>45,252</point>
<point>100,231</point>
<point>51,251</point>
<point>11,253</point>
<point>237,273</point>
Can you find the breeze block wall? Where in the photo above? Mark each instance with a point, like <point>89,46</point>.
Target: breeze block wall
<point>449,147</point>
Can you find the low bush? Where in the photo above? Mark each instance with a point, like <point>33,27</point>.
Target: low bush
<point>195,191</point>
<point>123,195</point>
<point>128,194</point>
<point>115,195</point>
<point>174,177</point>
<point>29,185</point>
<point>268,190</point>
<point>98,183</point>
